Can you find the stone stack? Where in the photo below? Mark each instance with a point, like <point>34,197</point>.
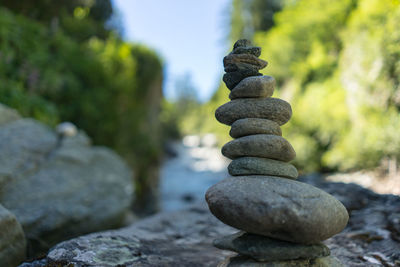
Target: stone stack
<point>283,221</point>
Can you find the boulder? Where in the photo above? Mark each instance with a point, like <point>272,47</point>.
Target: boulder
<point>278,208</point>
<point>59,188</point>
<point>12,239</point>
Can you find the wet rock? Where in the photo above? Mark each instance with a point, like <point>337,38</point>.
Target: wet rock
<point>60,188</point>
<point>250,126</point>
<point>261,166</point>
<point>12,239</point>
<point>242,261</point>
<point>262,248</point>
<point>273,109</point>
<point>260,145</point>
<point>254,87</point>
<point>278,208</point>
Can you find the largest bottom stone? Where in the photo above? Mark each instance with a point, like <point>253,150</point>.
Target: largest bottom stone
<point>278,208</point>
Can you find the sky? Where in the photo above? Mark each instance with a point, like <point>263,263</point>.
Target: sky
<point>190,36</point>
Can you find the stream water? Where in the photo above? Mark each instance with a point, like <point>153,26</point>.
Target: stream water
<point>185,178</point>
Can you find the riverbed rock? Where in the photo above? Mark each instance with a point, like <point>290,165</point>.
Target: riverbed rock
<point>273,109</point>
<point>60,188</point>
<point>242,261</point>
<point>250,126</point>
<point>254,87</point>
<point>278,208</point>
<point>183,238</point>
<point>263,248</point>
<point>260,145</point>
<point>12,239</point>
<point>261,166</point>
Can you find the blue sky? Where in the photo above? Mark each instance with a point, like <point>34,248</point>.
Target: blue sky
<point>190,36</point>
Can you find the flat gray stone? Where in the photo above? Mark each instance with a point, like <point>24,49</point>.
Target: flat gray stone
<point>278,208</point>
<point>12,239</point>
<point>262,166</point>
<point>250,126</point>
<point>242,261</point>
<point>263,248</point>
<point>273,109</point>
<point>260,145</point>
<point>234,62</point>
<point>254,87</point>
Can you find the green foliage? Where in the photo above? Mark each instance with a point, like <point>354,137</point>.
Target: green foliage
<point>109,88</point>
<point>338,64</point>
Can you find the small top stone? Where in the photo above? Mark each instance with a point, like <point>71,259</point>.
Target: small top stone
<point>241,43</point>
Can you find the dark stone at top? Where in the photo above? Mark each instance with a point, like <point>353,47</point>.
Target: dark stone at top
<point>241,43</point>
<point>253,50</point>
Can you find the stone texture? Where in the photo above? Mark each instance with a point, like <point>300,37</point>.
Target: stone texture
<point>231,79</point>
<point>181,238</point>
<point>261,166</point>
<point>260,145</point>
<point>263,248</point>
<point>250,126</point>
<point>60,189</point>
<point>234,62</point>
<point>254,87</point>
<point>252,50</point>
<point>241,261</point>
<point>278,208</point>
<point>241,43</point>
<point>273,109</point>
<point>12,239</point>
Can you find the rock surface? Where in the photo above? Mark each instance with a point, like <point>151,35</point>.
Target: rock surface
<point>184,238</point>
<point>240,261</point>
<point>273,109</point>
<point>261,166</point>
<point>233,78</point>
<point>250,126</point>
<point>260,145</point>
<point>60,189</point>
<point>262,248</point>
<point>279,208</point>
<point>12,239</point>
<point>254,87</point>
<point>234,62</point>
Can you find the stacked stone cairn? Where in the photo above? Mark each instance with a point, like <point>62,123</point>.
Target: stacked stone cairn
<point>282,221</point>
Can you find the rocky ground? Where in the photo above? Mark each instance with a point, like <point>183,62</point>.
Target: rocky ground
<point>184,237</point>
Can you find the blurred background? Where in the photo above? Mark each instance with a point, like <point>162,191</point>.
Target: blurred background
<point>144,79</point>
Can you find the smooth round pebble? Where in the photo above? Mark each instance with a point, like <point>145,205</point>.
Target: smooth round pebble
<point>278,208</point>
<point>273,109</point>
<point>260,145</point>
<point>250,126</point>
<point>254,87</point>
<point>262,248</point>
<point>262,166</point>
